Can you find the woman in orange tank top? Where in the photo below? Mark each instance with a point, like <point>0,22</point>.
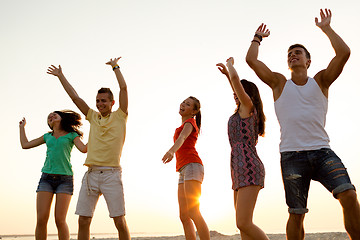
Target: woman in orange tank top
<point>190,168</point>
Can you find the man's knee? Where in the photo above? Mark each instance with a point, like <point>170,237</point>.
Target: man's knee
<point>120,223</point>
<point>297,219</point>
<point>348,198</point>
<point>84,222</point>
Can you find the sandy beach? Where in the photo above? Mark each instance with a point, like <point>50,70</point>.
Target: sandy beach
<point>213,235</point>
<point>218,236</point>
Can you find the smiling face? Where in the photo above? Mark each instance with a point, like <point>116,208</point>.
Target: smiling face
<point>236,99</point>
<point>53,119</point>
<point>297,57</point>
<point>187,108</point>
<point>104,104</point>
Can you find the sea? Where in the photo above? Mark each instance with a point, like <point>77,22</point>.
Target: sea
<point>93,236</point>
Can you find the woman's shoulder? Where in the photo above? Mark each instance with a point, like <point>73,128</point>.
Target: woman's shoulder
<point>193,123</point>
<point>190,120</point>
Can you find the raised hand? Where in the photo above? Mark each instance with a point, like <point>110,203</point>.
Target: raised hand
<point>223,69</point>
<point>113,62</point>
<point>230,61</point>
<point>22,123</point>
<point>54,70</point>
<point>325,18</point>
<point>263,31</point>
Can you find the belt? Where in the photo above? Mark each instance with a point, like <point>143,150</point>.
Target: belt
<point>99,170</point>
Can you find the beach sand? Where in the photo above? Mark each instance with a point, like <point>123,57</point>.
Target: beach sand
<point>218,236</point>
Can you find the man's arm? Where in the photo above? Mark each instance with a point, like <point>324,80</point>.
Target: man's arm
<point>342,52</point>
<point>81,104</point>
<point>123,96</point>
<point>274,80</point>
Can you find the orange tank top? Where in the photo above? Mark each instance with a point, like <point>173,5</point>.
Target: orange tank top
<point>187,152</point>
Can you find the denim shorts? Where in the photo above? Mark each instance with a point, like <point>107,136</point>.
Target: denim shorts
<point>56,183</point>
<point>191,171</point>
<point>300,167</point>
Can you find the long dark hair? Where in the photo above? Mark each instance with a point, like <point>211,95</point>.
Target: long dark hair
<point>197,107</point>
<point>253,92</point>
<point>70,121</point>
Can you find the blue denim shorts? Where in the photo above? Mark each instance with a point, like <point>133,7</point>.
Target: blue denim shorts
<point>56,183</point>
<point>300,167</point>
<point>191,171</point>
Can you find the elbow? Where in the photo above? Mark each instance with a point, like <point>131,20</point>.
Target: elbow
<point>84,149</point>
<point>123,88</point>
<point>250,61</point>
<point>345,56</point>
<point>24,146</point>
<point>75,99</point>
<point>347,53</point>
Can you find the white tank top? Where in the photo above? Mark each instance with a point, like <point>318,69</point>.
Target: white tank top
<point>301,112</point>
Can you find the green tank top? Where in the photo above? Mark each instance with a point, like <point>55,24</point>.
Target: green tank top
<point>58,154</point>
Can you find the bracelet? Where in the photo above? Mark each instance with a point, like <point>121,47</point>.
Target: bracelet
<point>258,36</point>
<point>256,41</point>
<point>115,67</point>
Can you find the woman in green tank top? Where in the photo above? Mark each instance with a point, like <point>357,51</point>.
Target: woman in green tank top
<point>57,175</point>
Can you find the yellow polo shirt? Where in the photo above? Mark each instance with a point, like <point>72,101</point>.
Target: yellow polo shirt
<point>106,138</point>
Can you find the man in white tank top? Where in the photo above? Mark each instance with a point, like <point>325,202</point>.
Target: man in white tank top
<point>301,107</point>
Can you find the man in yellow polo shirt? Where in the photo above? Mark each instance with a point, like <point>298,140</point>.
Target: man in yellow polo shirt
<point>106,139</point>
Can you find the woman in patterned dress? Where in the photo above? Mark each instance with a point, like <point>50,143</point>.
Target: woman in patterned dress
<point>247,170</point>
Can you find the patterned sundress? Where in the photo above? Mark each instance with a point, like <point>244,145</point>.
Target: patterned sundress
<point>246,166</point>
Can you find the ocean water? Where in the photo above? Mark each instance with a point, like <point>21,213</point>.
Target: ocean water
<point>93,236</point>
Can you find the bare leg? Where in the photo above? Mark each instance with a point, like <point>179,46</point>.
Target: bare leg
<point>84,228</point>
<point>295,227</point>
<point>192,195</point>
<point>61,209</point>
<point>122,228</point>
<point>43,205</point>
<point>245,201</point>
<point>185,219</point>
<point>351,211</point>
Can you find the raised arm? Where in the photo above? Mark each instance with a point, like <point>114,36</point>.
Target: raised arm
<point>342,52</point>
<point>222,68</point>
<point>245,100</point>
<point>81,104</point>
<point>169,155</point>
<point>272,79</point>
<point>123,96</point>
<point>25,144</point>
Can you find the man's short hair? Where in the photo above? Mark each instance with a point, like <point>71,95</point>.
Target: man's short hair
<point>307,54</point>
<point>108,91</point>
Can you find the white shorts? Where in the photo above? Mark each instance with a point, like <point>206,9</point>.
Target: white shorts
<point>101,180</point>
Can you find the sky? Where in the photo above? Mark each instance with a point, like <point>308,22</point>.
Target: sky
<point>169,50</point>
